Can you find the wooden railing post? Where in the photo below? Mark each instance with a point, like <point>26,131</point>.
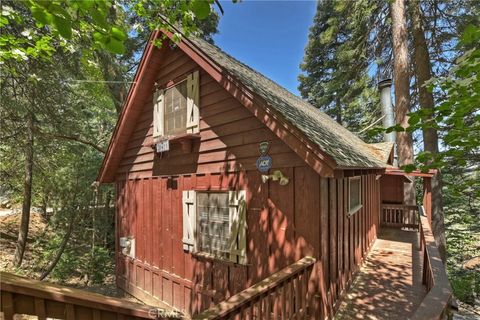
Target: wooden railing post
<point>434,277</point>
<point>24,296</point>
<point>399,216</point>
<point>283,295</point>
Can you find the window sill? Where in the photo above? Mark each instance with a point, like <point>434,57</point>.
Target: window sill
<point>185,140</point>
<point>211,257</point>
<point>184,136</point>
<point>354,210</point>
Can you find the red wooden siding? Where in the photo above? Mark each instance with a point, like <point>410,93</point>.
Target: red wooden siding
<point>229,133</point>
<point>284,224</point>
<point>392,189</point>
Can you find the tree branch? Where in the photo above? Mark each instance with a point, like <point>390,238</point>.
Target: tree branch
<point>74,138</point>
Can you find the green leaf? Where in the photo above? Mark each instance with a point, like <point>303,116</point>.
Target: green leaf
<point>63,26</point>
<point>41,15</point>
<point>99,37</point>
<point>99,18</point>
<point>395,128</point>
<point>57,10</point>
<point>408,168</point>
<point>118,34</point>
<point>414,119</point>
<point>85,5</point>
<point>201,8</point>
<point>424,156</point>
<point>3,21</point>
<point>470,34</point>
<point>115,46</point>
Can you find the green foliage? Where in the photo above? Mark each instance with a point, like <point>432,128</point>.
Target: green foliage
<point>335,77</point>
<point>91,23</point>
<point>98,265</point>
<point>68,263</point>
<point>457,114</point>
<point>463,231</point>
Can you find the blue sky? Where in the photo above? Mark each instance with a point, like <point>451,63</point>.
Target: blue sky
<point>269,36</point>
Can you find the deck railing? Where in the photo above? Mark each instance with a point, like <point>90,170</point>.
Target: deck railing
<point>283,295</point>
<point>22,296</point>
<point>399,216</point>
<point>439,292</point>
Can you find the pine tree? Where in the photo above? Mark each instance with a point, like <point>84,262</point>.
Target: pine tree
<point>422,68</point>
<point>335,67</point>
<point>402,90</point>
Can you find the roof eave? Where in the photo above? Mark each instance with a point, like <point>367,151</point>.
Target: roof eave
<point>106,173</point>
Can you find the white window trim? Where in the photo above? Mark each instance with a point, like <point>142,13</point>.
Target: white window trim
<point>192,100</point>
<point>237,212</point>
<point>359,206</point>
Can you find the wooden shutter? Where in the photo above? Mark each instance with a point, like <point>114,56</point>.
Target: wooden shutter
<point>158,113</point>
<point>189,220</point>
<point>193,97</point>
<point>238,226</point>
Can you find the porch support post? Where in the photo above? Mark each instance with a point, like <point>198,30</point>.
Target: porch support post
<point>427,198</point>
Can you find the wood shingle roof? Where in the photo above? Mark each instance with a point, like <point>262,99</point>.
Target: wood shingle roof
<point>348,150</point>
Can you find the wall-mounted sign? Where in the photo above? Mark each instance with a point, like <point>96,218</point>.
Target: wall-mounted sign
<point>264,163</point>
<point>162,146</point>
<point>263,147</point>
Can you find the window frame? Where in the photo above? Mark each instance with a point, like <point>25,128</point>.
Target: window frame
<point>199,251</point>
<point>352,211</point>
<point>170,86</point>
<point>192,118</point>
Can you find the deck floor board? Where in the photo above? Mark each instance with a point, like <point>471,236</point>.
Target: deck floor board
<point>389,283</point>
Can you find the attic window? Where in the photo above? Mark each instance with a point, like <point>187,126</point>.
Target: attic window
<point>175,119</point>
<point>176,109</point>
<point>354,194</point>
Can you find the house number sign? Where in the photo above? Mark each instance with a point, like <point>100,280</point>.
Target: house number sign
<point>264,162</point>
<point>162,146</point>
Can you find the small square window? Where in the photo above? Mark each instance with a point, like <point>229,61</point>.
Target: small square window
<point>213,224</point>
<point>354,194</point>
<point>175,113</point>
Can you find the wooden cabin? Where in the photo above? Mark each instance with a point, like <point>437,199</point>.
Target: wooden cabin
<point>224,179</point>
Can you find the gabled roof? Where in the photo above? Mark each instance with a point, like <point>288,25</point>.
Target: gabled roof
<point>333,143</point>
<point>383,151</point>
<point>343,146</point>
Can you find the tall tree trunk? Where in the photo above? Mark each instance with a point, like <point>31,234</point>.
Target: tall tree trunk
<point>402,90</point>
<point>27,194</point>
<point>339,109</point>
<point>430,135</point>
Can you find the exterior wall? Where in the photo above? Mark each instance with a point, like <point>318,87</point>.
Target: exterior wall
<point>392,189</point>
<point>285,223</point>
<point>229,133</point>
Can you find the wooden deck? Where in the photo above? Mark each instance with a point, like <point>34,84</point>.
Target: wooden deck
<point>389,283</point>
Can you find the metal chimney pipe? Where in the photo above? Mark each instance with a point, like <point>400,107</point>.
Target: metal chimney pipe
<point>385,87</point>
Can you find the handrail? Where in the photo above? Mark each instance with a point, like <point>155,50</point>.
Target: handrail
<point>399,216</point>
<point>290,286</point>
<point>439,292</point>
<point>32,297</point>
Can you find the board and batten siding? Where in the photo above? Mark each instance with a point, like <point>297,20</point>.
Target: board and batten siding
<point>284,223</point>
